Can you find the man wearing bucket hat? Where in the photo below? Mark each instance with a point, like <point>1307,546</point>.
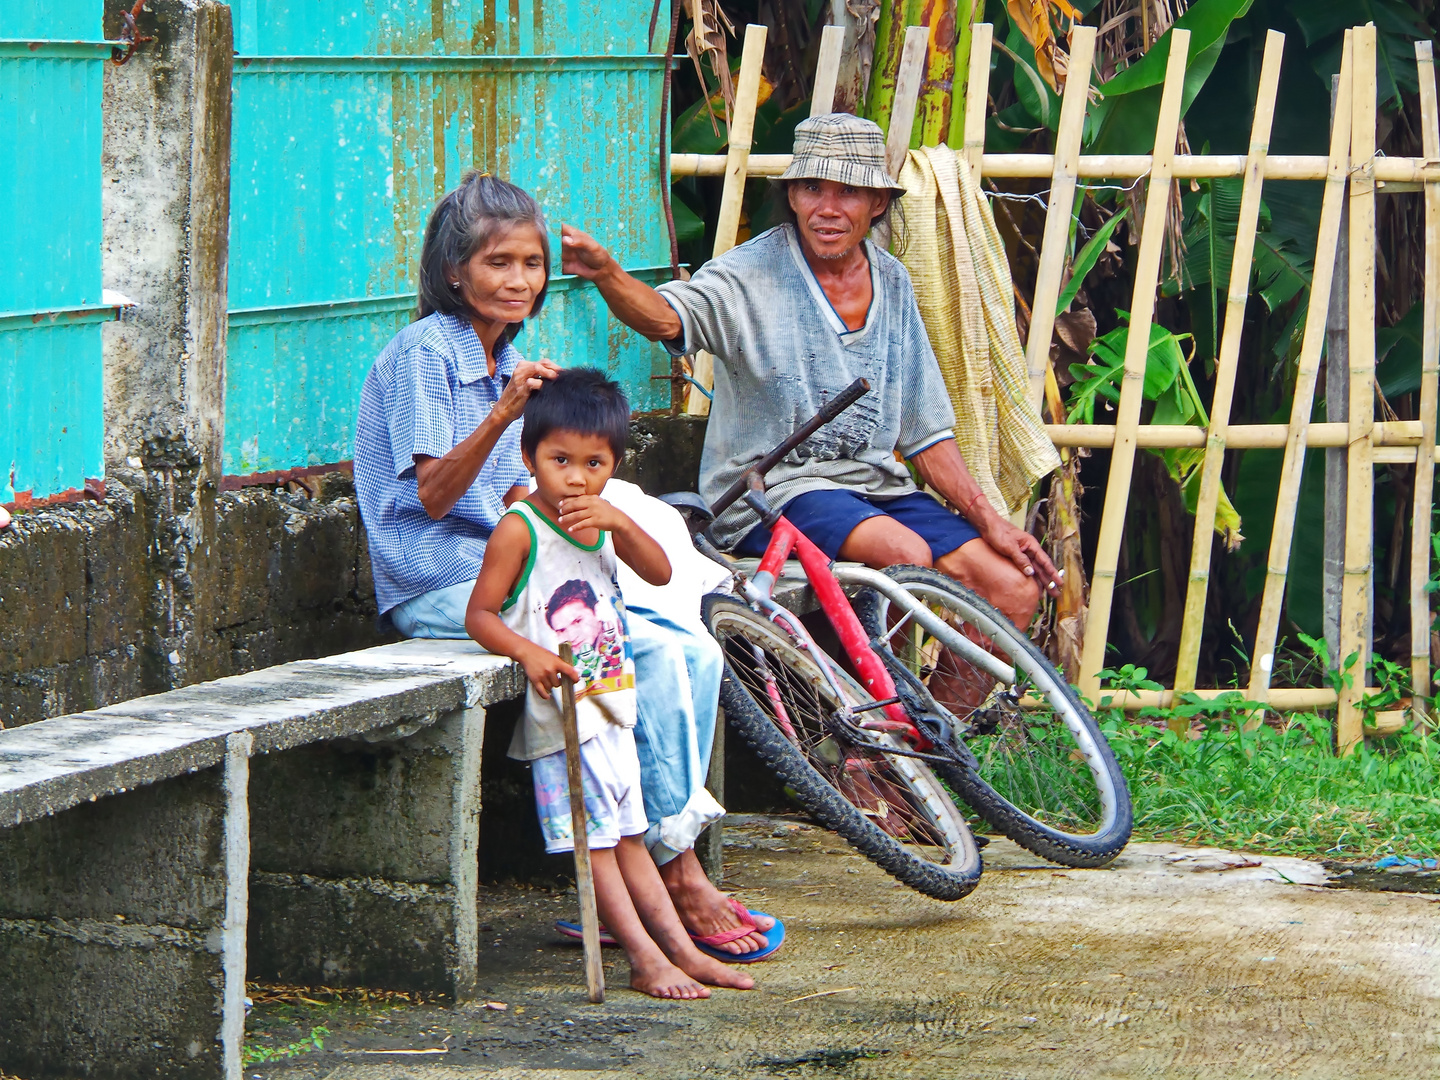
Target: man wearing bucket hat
<point>792,317</point>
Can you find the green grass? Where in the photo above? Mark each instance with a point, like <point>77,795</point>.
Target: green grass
<point>1281,790</point>
<point>254,1054</point>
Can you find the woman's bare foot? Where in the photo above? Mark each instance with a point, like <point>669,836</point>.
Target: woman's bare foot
<point>704,909</point>
<point>663,979</point>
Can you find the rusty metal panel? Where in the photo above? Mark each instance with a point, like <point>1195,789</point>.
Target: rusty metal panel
<point>51,66</point>
<point>346,131</point>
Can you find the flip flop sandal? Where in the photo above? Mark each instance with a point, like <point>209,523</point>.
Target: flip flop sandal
<point>576,931</point>
<point>775,937</point>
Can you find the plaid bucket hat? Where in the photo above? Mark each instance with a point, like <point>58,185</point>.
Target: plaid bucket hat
<point>843,148</point>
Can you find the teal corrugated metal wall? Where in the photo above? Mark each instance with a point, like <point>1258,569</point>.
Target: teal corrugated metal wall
<point>51,373</point>
<point>348,125</point>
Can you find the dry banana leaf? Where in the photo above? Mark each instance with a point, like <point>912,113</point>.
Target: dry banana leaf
<point>1036,20</point>
<point>709,28</point>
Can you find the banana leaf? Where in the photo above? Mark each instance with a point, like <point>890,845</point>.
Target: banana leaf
<point>1124,122</point>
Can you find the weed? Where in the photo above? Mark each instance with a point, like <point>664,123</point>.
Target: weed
<point>1281,789</point>
<point>254,1055</point>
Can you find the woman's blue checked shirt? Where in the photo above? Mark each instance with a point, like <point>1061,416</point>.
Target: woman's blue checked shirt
<point>429,390</point>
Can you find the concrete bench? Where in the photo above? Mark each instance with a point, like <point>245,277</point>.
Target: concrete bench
<point>313,823</point>
<point>322,815</point>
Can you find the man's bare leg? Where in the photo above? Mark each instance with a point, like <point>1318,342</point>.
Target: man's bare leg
<point>704,909</point>
<point>649,902</point>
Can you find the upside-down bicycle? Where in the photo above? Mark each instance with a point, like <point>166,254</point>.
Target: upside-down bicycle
<point>942,699</point>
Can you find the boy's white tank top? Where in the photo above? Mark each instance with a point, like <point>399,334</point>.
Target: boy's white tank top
<point>570,592</point>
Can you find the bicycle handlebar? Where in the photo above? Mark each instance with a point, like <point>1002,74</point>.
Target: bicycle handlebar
<point>842,401</point>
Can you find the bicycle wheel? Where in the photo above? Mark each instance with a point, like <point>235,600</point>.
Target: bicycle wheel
<point>1047,778</point>
<point>891,808</point>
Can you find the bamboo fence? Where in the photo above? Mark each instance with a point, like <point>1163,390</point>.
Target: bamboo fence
<point>1351,170</point>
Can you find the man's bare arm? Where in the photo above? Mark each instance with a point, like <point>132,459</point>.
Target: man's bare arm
<point>631,301</point>
<point>942,468</point>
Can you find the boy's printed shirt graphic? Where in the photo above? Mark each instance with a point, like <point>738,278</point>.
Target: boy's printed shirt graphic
<point>592,627</point>
<point>569,592</point>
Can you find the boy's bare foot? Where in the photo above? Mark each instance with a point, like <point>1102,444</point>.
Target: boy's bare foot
<point>663,979</point>
<point>709,970</point>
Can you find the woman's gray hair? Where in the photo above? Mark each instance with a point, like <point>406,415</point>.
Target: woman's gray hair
<point>481,210</point>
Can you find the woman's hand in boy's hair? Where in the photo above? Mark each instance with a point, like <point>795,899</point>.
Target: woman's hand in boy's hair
<point>543,668</point>
<point>524,381</point>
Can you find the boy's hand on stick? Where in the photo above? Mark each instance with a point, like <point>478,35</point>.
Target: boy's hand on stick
<point>543,668</point>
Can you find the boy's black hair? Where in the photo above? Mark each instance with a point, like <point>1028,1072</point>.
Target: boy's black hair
<point>578,399</point>
<point>573,590</point>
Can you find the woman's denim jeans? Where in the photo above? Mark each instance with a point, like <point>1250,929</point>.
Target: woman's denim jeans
<point>674,732</point>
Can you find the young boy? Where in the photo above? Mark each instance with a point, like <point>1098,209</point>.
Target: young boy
<point>549,576</point>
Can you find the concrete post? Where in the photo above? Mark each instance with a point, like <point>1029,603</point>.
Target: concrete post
<point>166,212</point>
<point>365,867</point>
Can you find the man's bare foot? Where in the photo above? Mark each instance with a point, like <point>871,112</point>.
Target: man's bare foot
<point>704,909</point>
<point>664,980</point>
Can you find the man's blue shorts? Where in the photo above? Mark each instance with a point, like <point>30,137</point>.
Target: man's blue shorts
<point>828,517</point>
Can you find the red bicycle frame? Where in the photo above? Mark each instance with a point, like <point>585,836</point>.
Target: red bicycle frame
<point>874,677</point>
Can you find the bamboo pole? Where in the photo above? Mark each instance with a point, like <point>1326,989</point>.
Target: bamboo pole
<point>1283,698</point>
<point>1056,243</point>
<point>1142,308</point>
<point>1360,480</point>
<point>827,70</point>
<point>1399,435</point>
<point>907,93</point>
<point>1429,391</point>
<point>1237,296</point>
<point>1391,174</point>
<point>1301,433</point>
<point>737,160</point>
<point>977,94</point>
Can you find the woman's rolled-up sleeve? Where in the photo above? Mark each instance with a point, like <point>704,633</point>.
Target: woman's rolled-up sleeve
<point>420,408</point>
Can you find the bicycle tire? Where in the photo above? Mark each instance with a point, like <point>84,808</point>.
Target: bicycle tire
<point>820,773</point>
<point>1027,786</point>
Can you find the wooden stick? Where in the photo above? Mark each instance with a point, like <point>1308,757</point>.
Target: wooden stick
<point>1429,391</point>
<point>1284,698</point>
<point>1396,174</point>
<point>827,70</point>
<point>1238,295</point>
<point>737,160</point>
<point>584,876</point>
<point>1359,503</point>
<point>1301,433</point>
<point>1147,280</point>
<point>1057,220</point>
<point>977,95</point>
<point>907,93</point>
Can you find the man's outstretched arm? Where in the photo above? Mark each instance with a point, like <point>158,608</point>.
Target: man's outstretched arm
<point>633,302</point>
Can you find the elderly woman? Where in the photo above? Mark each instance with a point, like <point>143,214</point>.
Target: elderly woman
<point>795,315</point>
<point>437,461</point>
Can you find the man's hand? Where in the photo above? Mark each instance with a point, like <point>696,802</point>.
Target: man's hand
<point>1023,550</point>
<point>524,381</point>
<point>543,668</point>
<point>591,512</point>
<point>581,254</point>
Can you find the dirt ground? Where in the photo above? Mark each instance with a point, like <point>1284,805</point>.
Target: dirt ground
<point>1158,967</point>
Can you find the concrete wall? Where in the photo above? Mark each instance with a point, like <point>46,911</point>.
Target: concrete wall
<point>100,602</point>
